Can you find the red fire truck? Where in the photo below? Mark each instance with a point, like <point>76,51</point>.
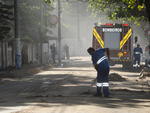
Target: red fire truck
<point>116,37</point>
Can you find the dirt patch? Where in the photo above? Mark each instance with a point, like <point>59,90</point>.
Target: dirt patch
<point>116,77</point>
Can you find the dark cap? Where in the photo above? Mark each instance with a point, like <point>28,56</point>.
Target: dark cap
<point>90,50</point>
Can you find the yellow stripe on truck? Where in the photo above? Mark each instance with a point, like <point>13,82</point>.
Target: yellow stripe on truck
<point>98,37</point>
<point>125,38</point>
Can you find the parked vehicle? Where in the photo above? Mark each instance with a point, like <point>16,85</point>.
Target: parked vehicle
<point>116,37</point>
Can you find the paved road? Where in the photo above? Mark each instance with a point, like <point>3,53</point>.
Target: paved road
<point>68,89</point>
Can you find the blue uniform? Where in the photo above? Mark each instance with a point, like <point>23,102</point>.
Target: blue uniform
<point>99,59</point>
<point>137,55</point>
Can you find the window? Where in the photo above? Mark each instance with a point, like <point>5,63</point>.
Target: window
<point>112,40</point>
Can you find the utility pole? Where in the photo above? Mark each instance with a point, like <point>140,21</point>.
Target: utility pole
<point>59,32</point>
<point>41,33</point>
<point>78,22</point>
<point>18,42</point>
<point>15,33</point>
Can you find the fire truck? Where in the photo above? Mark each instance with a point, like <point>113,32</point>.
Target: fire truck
<point>118,38</point>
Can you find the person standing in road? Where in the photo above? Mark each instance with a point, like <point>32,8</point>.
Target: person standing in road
<point>101,64</point>
<point>137,55</point>
<point>66,49</point>
<point>53,52</point>
<point>147,56</point>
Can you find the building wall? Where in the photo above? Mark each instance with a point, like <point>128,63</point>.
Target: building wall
<point>0,56</point>
<point>10,61</point>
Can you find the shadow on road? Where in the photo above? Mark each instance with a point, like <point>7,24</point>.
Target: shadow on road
<point>66,89</point>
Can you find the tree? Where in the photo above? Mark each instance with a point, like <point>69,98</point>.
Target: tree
<point>6,18</point>
<point>34,18</point>
<point>48,1</point>
<point>131,10</point>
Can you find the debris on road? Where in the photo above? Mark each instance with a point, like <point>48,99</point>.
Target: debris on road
<point>116,77</point>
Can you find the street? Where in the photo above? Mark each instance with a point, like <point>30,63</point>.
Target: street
<point>67,89</point>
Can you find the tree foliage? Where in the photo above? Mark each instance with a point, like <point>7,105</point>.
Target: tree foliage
<point>34,19</point>
<point>48,1</point>
<point>6,18</point>
<point>131,10</point>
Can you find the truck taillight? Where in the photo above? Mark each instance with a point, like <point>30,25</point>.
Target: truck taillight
<point>107,24</point>
<point>125,24</point>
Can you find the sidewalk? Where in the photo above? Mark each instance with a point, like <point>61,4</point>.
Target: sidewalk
<point>29,70</point>
<point>26,70</point>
